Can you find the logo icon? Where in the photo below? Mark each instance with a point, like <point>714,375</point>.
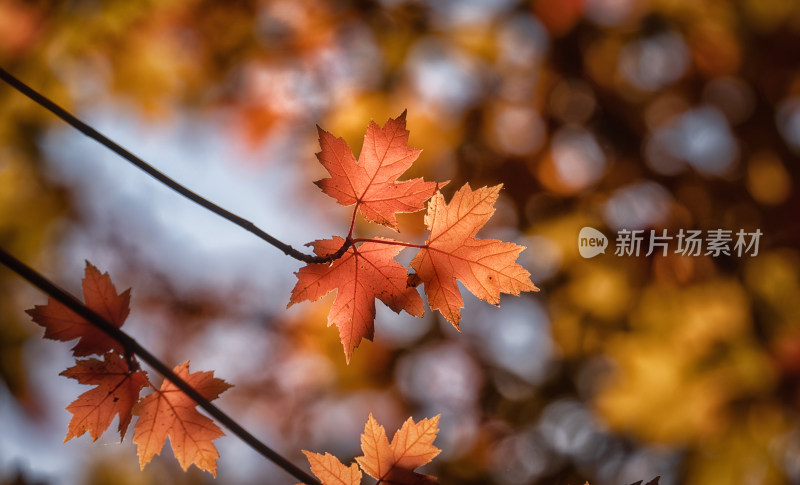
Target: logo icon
<point>591,242</point>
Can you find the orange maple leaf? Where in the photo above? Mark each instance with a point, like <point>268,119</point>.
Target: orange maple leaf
<point>63,324</point>
<point>487,267</point>
<point>371,182</point>
<point>169,412</point>
<point>390,463</point>
<point>359,276</point>
<point>331,471</point>
<point>116,392</point>
<point>394,463</point>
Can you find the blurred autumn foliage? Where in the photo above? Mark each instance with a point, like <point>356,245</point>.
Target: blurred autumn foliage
<point>614,114</point>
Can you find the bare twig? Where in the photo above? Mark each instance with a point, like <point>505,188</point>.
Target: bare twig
<point>150,170</point>
<point>132,346</point>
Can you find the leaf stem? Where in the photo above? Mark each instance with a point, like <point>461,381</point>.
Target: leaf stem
<point>132,346</point>
<point>393,243</point>
<point>150,170</point>
<point>353,221</point>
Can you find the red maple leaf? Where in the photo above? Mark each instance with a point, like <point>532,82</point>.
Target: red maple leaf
<point>371,182</point>
<point>487,267</point>
<point>169,412</point>
<point>359,276</point>
<point>116,393</point>
<point>63,324</point>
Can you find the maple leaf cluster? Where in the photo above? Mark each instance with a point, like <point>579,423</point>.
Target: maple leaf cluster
<point>390,463</point>
<point>166,412</point>
<point>367,270</point>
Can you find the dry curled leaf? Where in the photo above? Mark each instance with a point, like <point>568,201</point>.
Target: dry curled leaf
<point>63,324</point>
<point>359,276</point>
<point>487,267</point>
<point>371,182</point>
<point>169,412</point>
<point>651,482</point>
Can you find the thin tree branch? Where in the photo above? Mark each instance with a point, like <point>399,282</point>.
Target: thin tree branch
<point>132,346</point>
<point>150,170</point>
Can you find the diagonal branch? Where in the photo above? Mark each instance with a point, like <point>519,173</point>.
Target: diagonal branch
<point>150,170</point>
<point>132,346</point>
